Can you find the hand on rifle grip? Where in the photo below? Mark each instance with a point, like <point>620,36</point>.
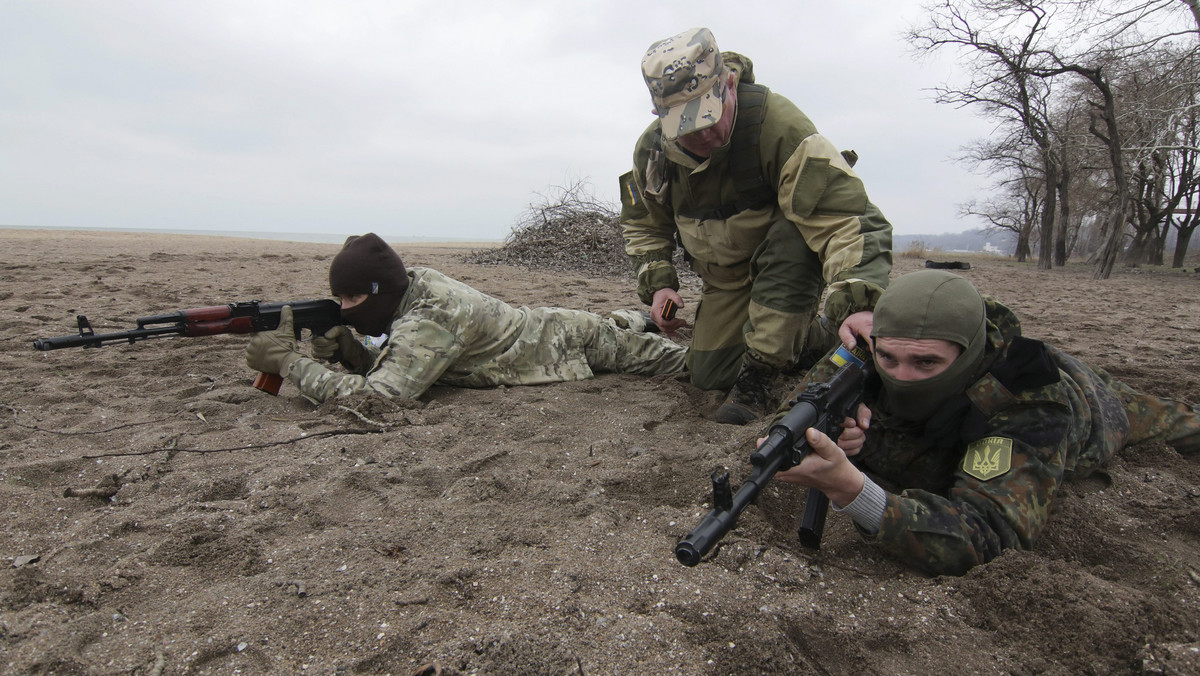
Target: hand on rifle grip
<point>338,344</point>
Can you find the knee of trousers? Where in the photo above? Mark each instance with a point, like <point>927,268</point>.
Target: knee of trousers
<point>643,353</point>
<point>776,337</point>
<point>787,275</point>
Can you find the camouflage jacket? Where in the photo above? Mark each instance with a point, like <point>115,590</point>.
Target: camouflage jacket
<point>447,332</point>
<point>979,476</point>
<point>817,190</point>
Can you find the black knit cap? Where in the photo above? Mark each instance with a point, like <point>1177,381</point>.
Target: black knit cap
<point>366,264</point>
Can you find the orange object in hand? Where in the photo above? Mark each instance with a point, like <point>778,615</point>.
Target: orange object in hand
<point>669,309</point>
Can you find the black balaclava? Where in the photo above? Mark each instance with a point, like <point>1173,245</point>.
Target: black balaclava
<point>367,265</point>
<point>932,304</point>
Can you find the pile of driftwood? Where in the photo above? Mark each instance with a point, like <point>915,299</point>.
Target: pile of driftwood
<point>570,232</point>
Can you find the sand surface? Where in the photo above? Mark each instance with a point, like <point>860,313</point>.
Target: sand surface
<point>517,530</point>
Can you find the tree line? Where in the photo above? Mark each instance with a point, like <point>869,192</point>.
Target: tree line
<point>1097,112</point>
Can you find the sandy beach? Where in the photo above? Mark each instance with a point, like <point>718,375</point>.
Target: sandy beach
<point>523,530</point>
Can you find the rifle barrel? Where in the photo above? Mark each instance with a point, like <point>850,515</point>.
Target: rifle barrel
<point>822,406</point>
<point>718,522</point>
<point>235,318</point>
<point>98,339</point>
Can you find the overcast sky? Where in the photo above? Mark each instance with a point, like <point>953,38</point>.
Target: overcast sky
<point>422,119</point>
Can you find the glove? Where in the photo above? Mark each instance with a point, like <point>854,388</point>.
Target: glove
<point>338,343</point>
<point>272,351</point>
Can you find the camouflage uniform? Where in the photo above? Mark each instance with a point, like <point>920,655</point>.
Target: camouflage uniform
<point>446,332</point>
<point>979,476</point>
<point>764,267</point>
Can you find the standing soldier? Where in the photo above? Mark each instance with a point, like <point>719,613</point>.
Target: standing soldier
<point>768,213</point>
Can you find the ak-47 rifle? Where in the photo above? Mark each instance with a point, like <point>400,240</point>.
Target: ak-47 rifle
<point>318,316</point>
<point>823,406</point>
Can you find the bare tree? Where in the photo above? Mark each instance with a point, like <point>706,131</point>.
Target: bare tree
<point>1016,212</point>
<point>1015,61</point>
<point>1004,49</point>
<point>1018,204</point>
<point>1185,220</point>
<point>1157,95</point>
<point>1121,24</point>
<point>1071,146</point>
<point>1138,77</point>
<point>1184,164</point>
<point>1186,215</point>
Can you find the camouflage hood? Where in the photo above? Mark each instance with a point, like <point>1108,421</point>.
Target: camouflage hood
<point>932,305</point>
<point>1003,328</point>
<point>740,65</point>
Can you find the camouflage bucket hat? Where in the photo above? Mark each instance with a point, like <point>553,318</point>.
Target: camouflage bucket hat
<point>686,76</point>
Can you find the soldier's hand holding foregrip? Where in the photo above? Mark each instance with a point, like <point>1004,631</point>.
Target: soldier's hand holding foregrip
<point>271,351</point>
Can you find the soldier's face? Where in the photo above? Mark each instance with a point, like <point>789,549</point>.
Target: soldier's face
<point>913,359</point>
<point>702,143</point>
<point>350,300</point>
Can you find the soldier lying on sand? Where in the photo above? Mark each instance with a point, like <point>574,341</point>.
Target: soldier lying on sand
<point>974,426</point>
<point>440,330</point>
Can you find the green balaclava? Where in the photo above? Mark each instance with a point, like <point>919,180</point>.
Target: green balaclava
<point>367,265</point>
<point>931,304</point>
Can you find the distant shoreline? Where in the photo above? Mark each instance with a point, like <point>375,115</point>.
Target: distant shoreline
<point>310,237</point>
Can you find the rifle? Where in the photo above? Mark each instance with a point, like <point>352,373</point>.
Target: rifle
<point>823,406</point>
<point>318,316</point>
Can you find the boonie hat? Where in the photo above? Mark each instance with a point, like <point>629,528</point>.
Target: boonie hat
<point>686,76</point>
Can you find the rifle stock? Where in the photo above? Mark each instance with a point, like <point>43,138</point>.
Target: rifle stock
<point>821,405</point>
<point>318,316</point>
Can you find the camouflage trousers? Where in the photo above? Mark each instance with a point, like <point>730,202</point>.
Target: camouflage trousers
<point>559,345</point>
<point>620,345</point>
<point>1154,418</point>
<point>773,317</point>
<point>1122,416</point>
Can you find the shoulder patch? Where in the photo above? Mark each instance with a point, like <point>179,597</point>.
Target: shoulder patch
<point>988,458</point>
<point>631,190</point>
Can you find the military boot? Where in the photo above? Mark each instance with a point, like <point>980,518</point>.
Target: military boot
<point>750,397</point>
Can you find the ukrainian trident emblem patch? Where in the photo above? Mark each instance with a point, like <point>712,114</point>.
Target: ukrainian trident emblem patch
<point>988,458</point>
